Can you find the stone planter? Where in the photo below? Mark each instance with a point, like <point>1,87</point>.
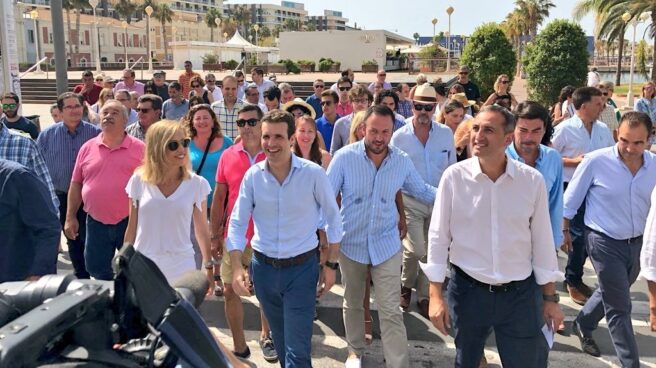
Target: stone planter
<point>307,68</point>
<point>369,68</point>
<point>213,67</point>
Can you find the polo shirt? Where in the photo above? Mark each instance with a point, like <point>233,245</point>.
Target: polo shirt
<point>326,129</point>
<point>171,111</point>
<point>315,102</point>
<point>104,173</point>
<point>136,87</point>
<point>92,96</point>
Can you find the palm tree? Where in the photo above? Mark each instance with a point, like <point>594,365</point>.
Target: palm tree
<point>164,15</point>
<point>68,5</point>
<point>210,20</point>
<point>79,5</point>
<point>142,9</point>
<point>514,27</point>
<point>125,9</point>
<point>242,16</point>
<point>534,12</point>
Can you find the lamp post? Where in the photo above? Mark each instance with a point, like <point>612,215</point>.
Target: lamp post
<point>35,16</point>
<point>149,12</point>
<point>225,36</point>
<point>256,28</point>
<point>93,4</point>
<point>217,21</point>
<point>627,18</point>
<point>124,25</point>
<point>434,21</point>
<point>449,11</point>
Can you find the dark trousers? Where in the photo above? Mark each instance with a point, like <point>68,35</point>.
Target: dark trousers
<point>101,242</point>
<point>617,263</point>
<point>288,297</point>
<point>515,315</point>
<point>578,254</point>
<point>76,246</point>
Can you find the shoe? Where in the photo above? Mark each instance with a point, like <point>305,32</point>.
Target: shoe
<point>244,354</point>
<point>585,289</point>
<point>406,295</point>
<point>588,345</point>
<point>368,332</point>
<point>423,308</point>
<point>483,362</point>
<point>269,352</point>
<point>353,361</point>
<point>576,294</point>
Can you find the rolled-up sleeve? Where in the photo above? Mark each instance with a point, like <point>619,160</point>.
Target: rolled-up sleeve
<point>544,260</point>
<point>648,253</point>
<point>577,188</point>
<point>241,214</point>
<point>439,232</point>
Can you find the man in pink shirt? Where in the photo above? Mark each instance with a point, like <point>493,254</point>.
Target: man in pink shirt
<point>102,170</point>
<point>234,163</point>
<point>130,83</point>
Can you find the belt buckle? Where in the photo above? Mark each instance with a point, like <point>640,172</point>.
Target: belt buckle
<point>491,287</point>
<point>275,263</point>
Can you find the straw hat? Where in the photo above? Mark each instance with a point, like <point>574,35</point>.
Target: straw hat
<point>298,102</point>
<point>462,98</point>
<point>425,93</point>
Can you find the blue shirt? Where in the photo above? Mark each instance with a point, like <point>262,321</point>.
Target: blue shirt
<point>315,102</point>
<point>550,165</point>
<point>326,129</point>
<point>286,217</point>
<point>369,213</point>
<point>60,147</point>
<point>171,111</point>
<point>404,108</point>
<point>211,163</point>
<point>431,159</point>
<point>617,203</point>
<point>647,106</point>
<point>29,225</point>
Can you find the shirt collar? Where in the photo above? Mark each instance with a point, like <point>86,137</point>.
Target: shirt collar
<point>476,167</point>
<point>512,153</point>
<point>645,156</point>
<point>125,143</point>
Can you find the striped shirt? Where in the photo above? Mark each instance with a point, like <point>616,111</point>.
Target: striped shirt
<point>369,213</point>
<point>18,148</point>
<point>60,146</point>
<point>227,117</point>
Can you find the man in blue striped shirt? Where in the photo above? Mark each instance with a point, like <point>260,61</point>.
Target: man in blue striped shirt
<point>59,144</point>
<point>368,174</point>
<point>616,184</point>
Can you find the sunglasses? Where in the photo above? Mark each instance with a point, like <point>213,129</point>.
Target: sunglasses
<point>463,73</point>
<point>9,106</point>
<point>505,82</point>
<point>326,103</point>
<point>344,88</point>
<point>195,85</point>
<point>145,110</point>
<point>174,145</point>
<point>382,75</point>
<point>424,107</point>
<point>605,93</point>
<point>319,86</point>
<point>242,122</point>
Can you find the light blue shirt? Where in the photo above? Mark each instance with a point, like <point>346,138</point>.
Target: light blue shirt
<point>572,139</point>
<point>285,216</point>
<point>550,165</point>
<point>647,106</point>
<point>617,203</point>
<point>369,214</point>
<point>431,159</point>
<point>341,131</point>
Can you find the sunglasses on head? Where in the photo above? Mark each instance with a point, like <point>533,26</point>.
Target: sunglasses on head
<point>174,145</point>
<point>326,103</point>
<point>424,107</point>
<point>242,122</point>
<point>344,88</point>
<point>10,106</point>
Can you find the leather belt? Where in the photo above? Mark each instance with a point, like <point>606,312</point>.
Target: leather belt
<point>285,262</point>
<point>498,288</point>
<point>628,241</point>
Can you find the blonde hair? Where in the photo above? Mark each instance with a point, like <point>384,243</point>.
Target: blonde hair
<point>158,136</point>
<point>358,119</point>
<point>102,97</point>
<point>497,83</point>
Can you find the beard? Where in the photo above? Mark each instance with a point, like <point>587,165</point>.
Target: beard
<point>11,114</point>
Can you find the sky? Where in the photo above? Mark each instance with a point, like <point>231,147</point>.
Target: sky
<point>406,17</point>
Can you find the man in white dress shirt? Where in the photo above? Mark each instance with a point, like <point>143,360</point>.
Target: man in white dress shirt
<point>491,220</point>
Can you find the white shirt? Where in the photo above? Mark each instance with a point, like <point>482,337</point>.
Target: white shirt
<point>216,93</point>
<point>572,139</point>
<point>496,232</point>
<point>266,84</point>
<point>648,253</point>
<point>593,79</point>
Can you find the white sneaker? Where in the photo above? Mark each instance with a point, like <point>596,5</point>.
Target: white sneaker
<point>353,362</point>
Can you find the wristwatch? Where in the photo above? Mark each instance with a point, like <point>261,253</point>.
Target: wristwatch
<point>555,298</point>
<point>209,264</point>
<point>332,265</point>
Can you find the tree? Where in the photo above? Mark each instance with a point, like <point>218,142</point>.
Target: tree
<point>79,5</point>
<point>311,27</point>
<point>229,26</point>
<point>164,15</point>
<point>125,9</point>
<point>265,32</point>
<point>642,50</point>
<point>210,18</point>
<point>534,13</point>
<point>557,57</point>
<point>488,53</point>
<point>291,25</point>
<point>67,5</point>
<point>416,37</point>
<point>513,26</point>
<point>242,17</point>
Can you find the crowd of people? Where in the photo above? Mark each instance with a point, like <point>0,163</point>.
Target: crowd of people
<point>470,198</point>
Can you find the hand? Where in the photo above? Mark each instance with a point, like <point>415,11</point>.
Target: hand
<point>71,228</point>
<point>438,312</point>
<point>567,242</point>
<point>553,316</point>
<point>328,281</point>
<point>403,227</point>
<point>240,281</point>
<point>216,248</point>
<point>578,159</point>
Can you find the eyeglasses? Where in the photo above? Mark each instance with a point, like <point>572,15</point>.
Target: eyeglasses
<point>344,88</point>
<point>319,86</point>
<point>143,110</point>
<point>195,85</point>
<point>242,122</point>
<point>382,74</point>
<point>10,106</point>
<point>174,145</point>
<point>424,107</point>
<point>505,82</point>
<point>463,73</point>
<point>360,100</point>
<point>326,103</point>
<point>72,107</point>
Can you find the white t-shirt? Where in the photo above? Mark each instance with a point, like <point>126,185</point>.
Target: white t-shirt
<point>164,223</point>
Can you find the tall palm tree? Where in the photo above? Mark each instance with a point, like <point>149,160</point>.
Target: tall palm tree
<point>79,5</point>
<point>210,20</point>
<point>164,15</point>
<point>67,5</point>
<point>534,12</point>
<point>125,9</point>
<point>514,27</point>
<point>242,17</point>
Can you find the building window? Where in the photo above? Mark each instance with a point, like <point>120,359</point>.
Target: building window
<point>30,36</point>
<point>50,38</point>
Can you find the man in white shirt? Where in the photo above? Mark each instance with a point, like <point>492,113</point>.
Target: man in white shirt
<point>593,78</point>
<point>257,74</point>
<point>491,220</point>
<point>573,138</point>
<point>210,86</point>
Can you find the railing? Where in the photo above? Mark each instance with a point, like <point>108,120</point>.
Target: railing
<point>37,64</point>
<point>140,60</point>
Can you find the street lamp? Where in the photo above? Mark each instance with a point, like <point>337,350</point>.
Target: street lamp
<point>449,11</point>
<point>627,18</point>
<point>149,12</point>
<point>124,25</point>
<point>225,36</point>
<point>256,28</point>
<point>217,21</point>
<point>35,16</point>
<point>434,21</point>
<point>93,4</point>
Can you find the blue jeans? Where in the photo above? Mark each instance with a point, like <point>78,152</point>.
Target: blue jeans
<point>577,256</point>
<point>75,246</point>
<point>617,264</point>
<point>288,298</point>
<point>102,241</point>
<point>515,316</point>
